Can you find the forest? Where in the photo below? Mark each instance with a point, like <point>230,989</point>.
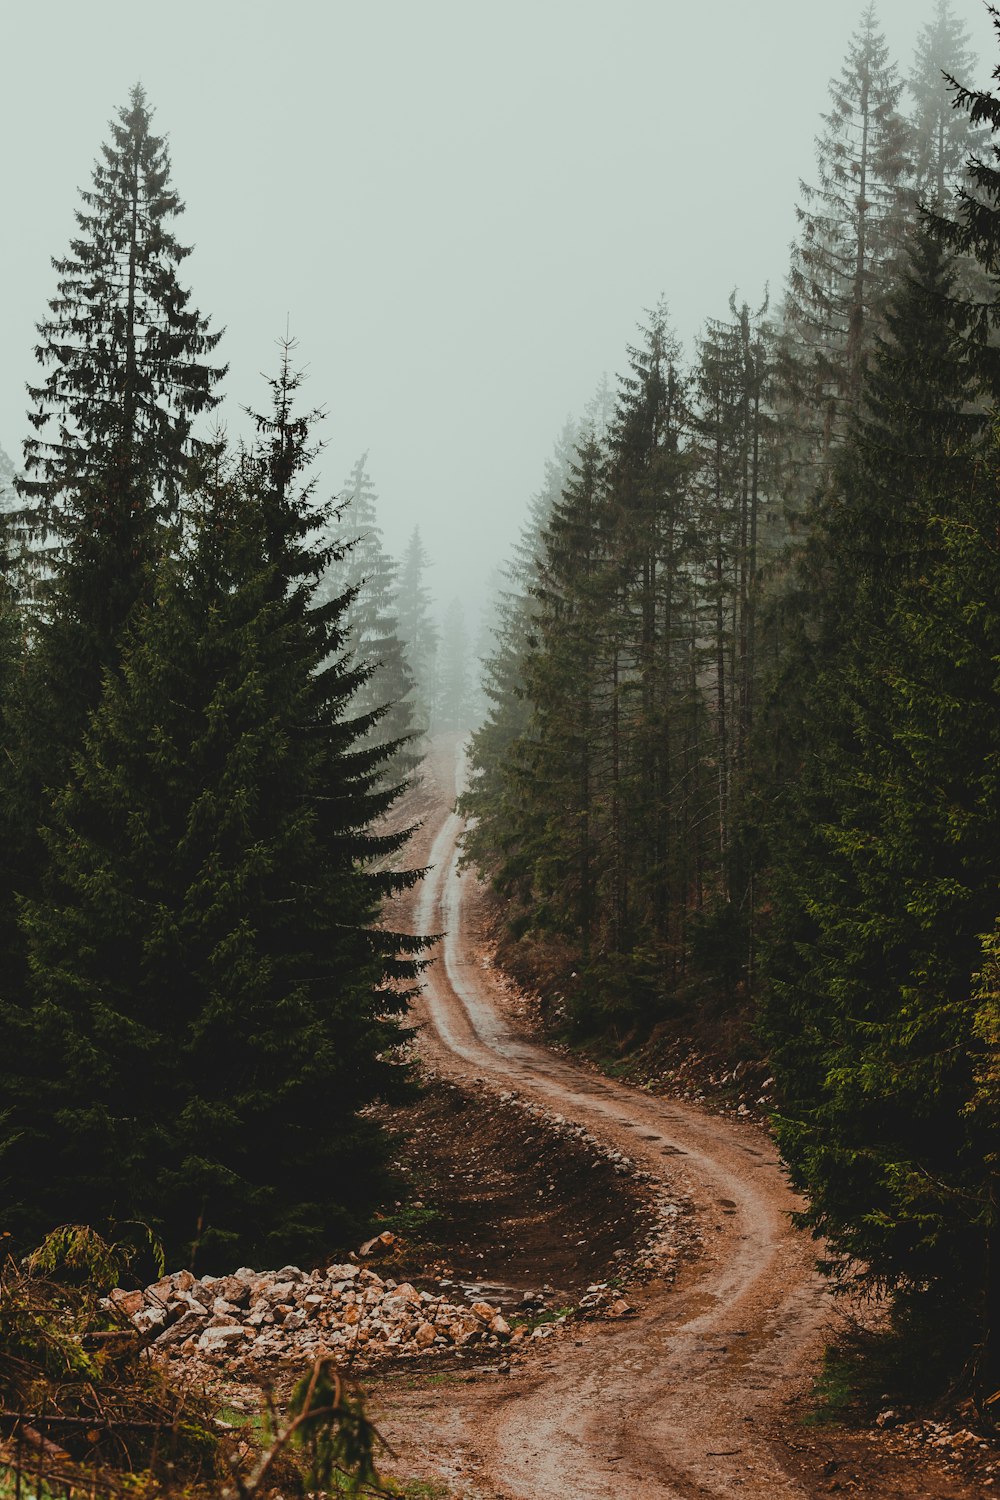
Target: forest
<point>733,767</point>
<point>739,767</point>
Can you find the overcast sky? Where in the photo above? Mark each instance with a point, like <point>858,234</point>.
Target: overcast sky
<point>462,209</point>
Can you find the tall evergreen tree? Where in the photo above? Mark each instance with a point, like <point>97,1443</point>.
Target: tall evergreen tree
<point>492,798</point>
<point>971,227</point>
<point>943,140</point>
<point>453,706</point>
<point>126,354</point>
<point>852,224</point>
<point>128,375</point>
<point>212,997</point>
<point>549,837</point>
<point>418,629</point>
<point>649,470</point>
<point>886,863</point>
<point>361,569</point>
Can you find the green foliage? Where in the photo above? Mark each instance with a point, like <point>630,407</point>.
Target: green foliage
<point>125,352</point>
<point>69,1370</point>
<point>606,776</point>
<point>212,1000</point>
<point>331,1430</point>
<point>884,847</point>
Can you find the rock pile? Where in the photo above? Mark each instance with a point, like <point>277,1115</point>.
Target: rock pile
<point>950,1440</point>
<point>254,1318</point>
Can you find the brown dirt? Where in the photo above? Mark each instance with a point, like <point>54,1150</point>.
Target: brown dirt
<point>704,1394</point>
<point>514,1205</point>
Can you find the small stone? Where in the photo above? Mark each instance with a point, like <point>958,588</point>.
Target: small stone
<point>425,1335</point>
<point>149,1318</point>
<point>290,1273</point>
<point>216,1338</point>
<point>484,1311</point>
<point>128,1303</point>
<point>187,1326</point>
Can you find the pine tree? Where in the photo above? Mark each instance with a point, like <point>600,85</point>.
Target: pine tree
<point>127,355</point>
<point>127,377</point>
<point>885,852</point>
<point>493,796</point>
<point>453,704</point>
<point>733,433</point>
<point>942,137</point>
<point>551,840</point>
<point>213,999</point>
<point>852,226</point>
<point>653,705</point>
<point>972,228</point>
<point>361,568</point>
<point>417,628</point>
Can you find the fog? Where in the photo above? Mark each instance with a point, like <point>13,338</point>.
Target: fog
<point>459,211</point>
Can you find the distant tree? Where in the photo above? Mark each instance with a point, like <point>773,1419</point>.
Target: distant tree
<point>550,834</point>
<point>733,433</point>
<point>453,706</point>
<point>213,997</point>
<point>492,794</point>
<point>418,630</point>
<point>852,224</point>
<point>361,568</point>
<point>649,499</point>
<point>943,139</point>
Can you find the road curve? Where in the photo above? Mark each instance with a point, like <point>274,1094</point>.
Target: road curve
<point>678,1402</point>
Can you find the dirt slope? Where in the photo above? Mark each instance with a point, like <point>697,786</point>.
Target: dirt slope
<point>682,1401</point>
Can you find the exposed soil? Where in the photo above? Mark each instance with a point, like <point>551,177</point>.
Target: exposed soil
<point>510,1204</point>
<point>706,1392</point>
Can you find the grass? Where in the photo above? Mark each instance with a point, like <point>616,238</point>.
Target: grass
<point>410,1489</point>
<point>535,1320</point>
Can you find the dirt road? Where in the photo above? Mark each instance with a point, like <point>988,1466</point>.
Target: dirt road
<point>677,1402</point>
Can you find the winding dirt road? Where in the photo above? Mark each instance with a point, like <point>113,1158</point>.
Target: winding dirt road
<point>678,1402</point>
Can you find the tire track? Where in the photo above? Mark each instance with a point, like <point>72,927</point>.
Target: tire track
<point>679,1402</point>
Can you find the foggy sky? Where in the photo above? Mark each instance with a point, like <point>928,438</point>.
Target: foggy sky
<point>460,208</point>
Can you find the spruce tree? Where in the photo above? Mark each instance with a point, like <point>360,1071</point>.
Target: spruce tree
<point>494,793</point>
<point>649,498</point>
<point>213,998</point>
<point>852,224</point>
<point>360,568</point>
<point>453,703</point>
<point>126,354</point>
<point>885,854</point>
<point>943,140</point>
<point>971,227</point>
<point>128,374</point>
<point>550,839</point>
<point>418,631</point>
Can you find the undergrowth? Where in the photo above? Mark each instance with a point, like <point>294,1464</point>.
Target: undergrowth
<point>86,1407</point>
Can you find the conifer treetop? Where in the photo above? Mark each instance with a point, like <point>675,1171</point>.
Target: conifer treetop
<point>126,355</point>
